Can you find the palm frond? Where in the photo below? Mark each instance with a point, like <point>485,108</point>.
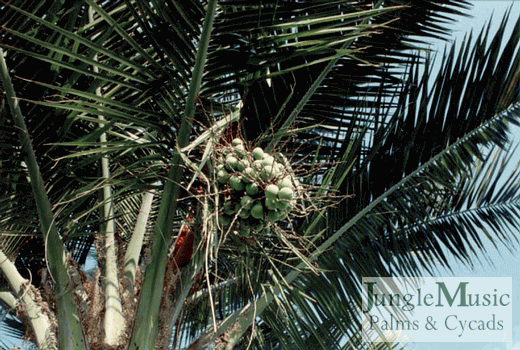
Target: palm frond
<point>369,242</point>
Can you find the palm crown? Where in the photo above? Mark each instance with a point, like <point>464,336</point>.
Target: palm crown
<point>124,110</point>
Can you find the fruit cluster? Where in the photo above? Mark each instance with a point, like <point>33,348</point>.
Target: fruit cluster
<point>256,189</point>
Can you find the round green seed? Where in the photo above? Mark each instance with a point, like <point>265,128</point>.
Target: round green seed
<point>271,191</point>
<point>252,189</point>
<point>258,153</point>
<point>257,211</point>
<point>236,183</point>
<point>237,142</point>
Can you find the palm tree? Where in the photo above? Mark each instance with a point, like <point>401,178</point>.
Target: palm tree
<point>118,117</point>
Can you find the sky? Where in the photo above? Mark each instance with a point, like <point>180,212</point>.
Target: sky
<point>504,263</point>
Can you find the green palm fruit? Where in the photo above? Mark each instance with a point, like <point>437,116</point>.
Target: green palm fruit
<point>229,208</point>
<point>252,189</point>
<point>231,163</point>
<point>285,193</point>
<point>285,182</point>
<point>273,215</point>
<point>222,176</point>
<point>271,191</point>
<point>237,142</point>
<point>257,211</point>
<point>249,175</point>
<point>246,202</point>
<point>277,169</point>
<point>257,166</point>
<point>220,162</point>
<point>244,213</point>
<point>270,203</point>
<point>240,151</point>
<point>267,172</point>
<point>245,231</point>
<point>258,153</point>
<point>282,205</point>
<point>236,183</point>
<point>224,220</point>
<point>268,160</point>
<point>243,164</point>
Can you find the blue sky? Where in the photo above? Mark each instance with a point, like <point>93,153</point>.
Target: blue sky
<point>504,263</point>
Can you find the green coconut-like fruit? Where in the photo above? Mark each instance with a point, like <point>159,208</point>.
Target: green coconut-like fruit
<point>271,191</point>
<point>270,203</point>
<point>249,175</point>
<point>220,162</point>
<point>237,142</point>
<point>278,169</point>
<point>257,165</point>
<point>252,189</point>
<point>285,193</point>
<point>244,213</point>
<point>236,183</point>
<point>222,176</point>
<point>282,205</point>
<point>240,151</point>
<point>243,164</point>
<point>267,172</point>
<point>224,220</point>
<point>268,160</point>
<point>231,163</point>
<point>247,202</point>
<point>273,215</point>
<point>273,171</point>
<point>258,153</point>
<point>285,182</point>
<point>230,211</point>
<point>257,211</point>
<point>245,231</point>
